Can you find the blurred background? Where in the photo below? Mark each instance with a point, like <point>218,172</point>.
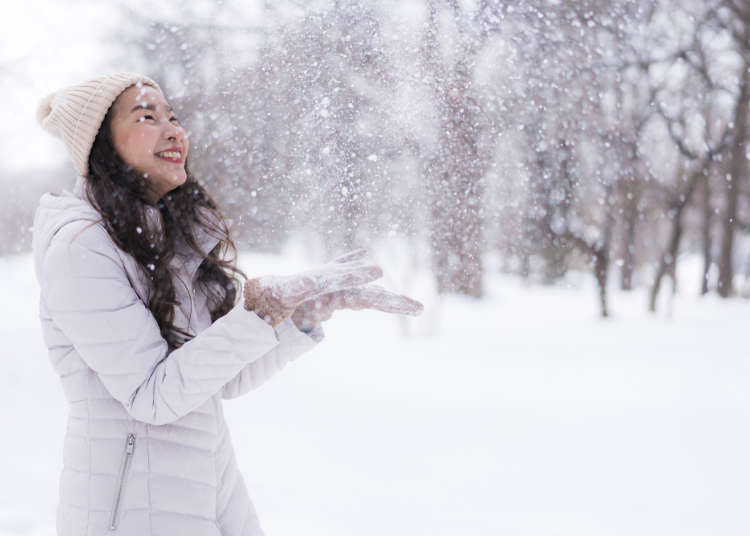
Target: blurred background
<point>606,136</point>
<point>523,168</point>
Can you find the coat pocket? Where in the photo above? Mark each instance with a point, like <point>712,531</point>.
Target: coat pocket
<point>122,477</point>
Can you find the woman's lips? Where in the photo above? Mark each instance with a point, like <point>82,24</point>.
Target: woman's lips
<point>169,159</point>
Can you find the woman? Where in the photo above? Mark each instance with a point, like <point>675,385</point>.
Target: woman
<point>145,325</point>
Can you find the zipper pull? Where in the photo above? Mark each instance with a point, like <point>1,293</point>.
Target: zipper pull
<point>131,444</point>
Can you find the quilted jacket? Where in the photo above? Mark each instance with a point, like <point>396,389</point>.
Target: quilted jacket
<point>147,451</point>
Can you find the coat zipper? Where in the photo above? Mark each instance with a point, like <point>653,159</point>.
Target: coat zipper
<point>124,465</point>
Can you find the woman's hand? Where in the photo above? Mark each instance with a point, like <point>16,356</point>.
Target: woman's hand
<point>320,309</point>
<point>275,298</point>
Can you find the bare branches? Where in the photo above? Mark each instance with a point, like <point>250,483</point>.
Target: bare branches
<point>739,10</point>
<point>429,46</point>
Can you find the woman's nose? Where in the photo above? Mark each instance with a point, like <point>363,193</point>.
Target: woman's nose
<point>174,131</point>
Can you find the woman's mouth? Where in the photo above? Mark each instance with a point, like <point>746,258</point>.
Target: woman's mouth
<point>170,156</point>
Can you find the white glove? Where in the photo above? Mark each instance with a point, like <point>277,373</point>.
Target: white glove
<point>320,309</point>
<point>274,298</point>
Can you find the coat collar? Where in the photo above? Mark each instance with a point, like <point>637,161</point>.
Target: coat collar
<point>205,239</point>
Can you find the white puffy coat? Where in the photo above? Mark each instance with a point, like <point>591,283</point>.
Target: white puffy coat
<point>147,451</point>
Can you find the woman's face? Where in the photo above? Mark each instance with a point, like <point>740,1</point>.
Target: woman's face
<point>143,130</point>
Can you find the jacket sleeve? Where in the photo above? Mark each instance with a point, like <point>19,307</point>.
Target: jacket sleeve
<point>292,344</point>
<point>87,294</point>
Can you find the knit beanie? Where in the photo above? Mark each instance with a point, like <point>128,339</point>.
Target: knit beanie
<point>75,113</point>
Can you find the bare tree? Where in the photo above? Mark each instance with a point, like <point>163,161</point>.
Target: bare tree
<point>697,104</point>
<point>456,171</point>
<point>734,15</point>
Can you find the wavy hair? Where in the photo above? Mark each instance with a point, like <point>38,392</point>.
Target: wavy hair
<point>118,192</point>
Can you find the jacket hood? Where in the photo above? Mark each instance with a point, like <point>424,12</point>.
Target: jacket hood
<point>54,212</point>
<point>57,210</point>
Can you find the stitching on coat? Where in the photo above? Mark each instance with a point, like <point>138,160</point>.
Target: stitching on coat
<point>217,476</point>
<point>148,481</point>
<point>88,430</point>
<point>181,514</point>
<point>191,481</point>
<point>183,445</point>
<point>93,222</point>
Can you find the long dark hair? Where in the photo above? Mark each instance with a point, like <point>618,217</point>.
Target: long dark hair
<point>119,194</point>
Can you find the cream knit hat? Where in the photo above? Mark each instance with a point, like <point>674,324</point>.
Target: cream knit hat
<point>75,113</point>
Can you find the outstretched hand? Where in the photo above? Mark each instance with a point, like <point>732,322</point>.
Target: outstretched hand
<point>313,295</point>
<point>275,298</point>
<point>320,309</point>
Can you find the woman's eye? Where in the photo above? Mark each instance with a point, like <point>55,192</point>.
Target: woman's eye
<point>149,116</point>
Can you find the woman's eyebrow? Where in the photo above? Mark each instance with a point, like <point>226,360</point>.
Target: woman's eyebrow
<point>148,107</point>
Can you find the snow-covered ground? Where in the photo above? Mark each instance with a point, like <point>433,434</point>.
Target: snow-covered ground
<point>521,414</point>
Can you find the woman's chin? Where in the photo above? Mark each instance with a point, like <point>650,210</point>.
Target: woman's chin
<point>176,178</point>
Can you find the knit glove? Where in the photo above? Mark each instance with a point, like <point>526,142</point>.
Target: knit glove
<point>274,298</point>
<point>320,309</point>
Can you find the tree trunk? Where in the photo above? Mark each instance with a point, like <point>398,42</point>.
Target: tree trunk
<point>736,174</point>
<point>628,236</point>
<point>457,232</point>
<point>601,256</point>
<point>706,233</point>
<point>601,269</point>
<point>456,173</point>
<point>668,260</point>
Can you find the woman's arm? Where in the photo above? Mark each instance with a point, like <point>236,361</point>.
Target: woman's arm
<point>87,294</point>
<point>293,342</point>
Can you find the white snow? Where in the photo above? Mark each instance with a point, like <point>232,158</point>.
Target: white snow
<point>521,414</point>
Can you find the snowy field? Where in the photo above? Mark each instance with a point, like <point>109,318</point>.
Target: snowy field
<point>523,414</point>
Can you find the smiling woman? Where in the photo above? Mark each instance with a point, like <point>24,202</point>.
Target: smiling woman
<point>141,314</point>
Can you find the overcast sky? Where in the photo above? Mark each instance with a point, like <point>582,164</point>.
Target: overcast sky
<point>44,45</point>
